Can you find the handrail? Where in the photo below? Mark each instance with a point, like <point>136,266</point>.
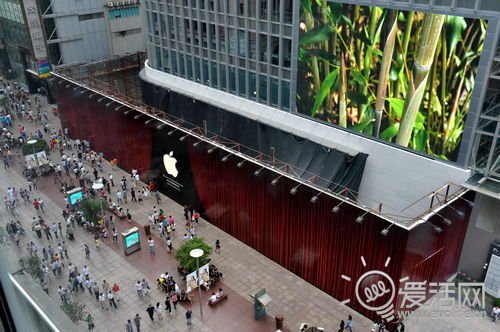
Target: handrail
<point>264,160</point>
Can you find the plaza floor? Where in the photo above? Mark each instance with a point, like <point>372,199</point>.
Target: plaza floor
<point>245,271</point>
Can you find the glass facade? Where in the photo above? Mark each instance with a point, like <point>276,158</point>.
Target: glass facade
<point>15,47</point>
<point>243,47</point>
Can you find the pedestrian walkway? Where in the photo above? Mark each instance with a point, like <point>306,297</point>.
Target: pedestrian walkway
<point>245,270</point>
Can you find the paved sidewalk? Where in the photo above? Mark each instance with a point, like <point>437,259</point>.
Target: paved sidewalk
<point>245,271</point>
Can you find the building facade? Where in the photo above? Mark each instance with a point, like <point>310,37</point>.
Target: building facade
<point>16,51</point>
<point>125,22</point>
<point>310,193</point>
<point>80,32</point>
<point>241,47</point>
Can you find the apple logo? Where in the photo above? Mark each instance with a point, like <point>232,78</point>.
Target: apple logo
<point>169,163</point>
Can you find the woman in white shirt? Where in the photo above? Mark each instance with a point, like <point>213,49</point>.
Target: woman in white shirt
<point>159,311</point>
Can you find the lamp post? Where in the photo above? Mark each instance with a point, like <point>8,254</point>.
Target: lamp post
<point>99,186</point>
<point>197,253</point>
<point>32,143</point>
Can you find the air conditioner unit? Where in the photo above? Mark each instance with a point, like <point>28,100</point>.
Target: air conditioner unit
<point>110,4</point>
<point>122,3</point>
<point>129,2</point>
<point>116,3</point>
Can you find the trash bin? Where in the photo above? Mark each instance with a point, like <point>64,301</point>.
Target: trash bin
<point>147,229</point>
<point>279,322</point>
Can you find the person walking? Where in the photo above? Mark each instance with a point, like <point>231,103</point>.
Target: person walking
<point>168,307</point>
<point>151,310</point>
<point>137,322</point>
<point>170,245</point>
<point>189,317</point>
<point>102,298</point>
<point>138,288</point>
<point>87,251</point>
<point>89,283</point>
<point>341,326</point>
<point>65,249</point>
<point>105,286</point>
<point>349,324</point>
<point>129,327</point>
<point>157,197</point>
<point>173,299</point>
<point>217,246</point>
<point>132,194</point>
<point>145,287</point>
<point>90,322</point>
<point>116,290</point>
<point>54,229</point>
<point>46,230</point>
<point>151,246</point>
<point>115,235</point>
<point>159,311</point>
<point>95,288</point>
<point>111,299</point>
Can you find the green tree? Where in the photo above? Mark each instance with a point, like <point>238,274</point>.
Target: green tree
<point>40,145</point>
<point>188,262</point>
<point>32,266</point>
<point>75,311</point>
<point>91,208</point>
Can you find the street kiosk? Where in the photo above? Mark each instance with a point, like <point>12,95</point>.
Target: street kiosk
<point>131,240</point>
<point>261,300</point>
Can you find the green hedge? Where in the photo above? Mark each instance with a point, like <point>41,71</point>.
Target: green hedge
<point>40,145</point>
<point>188,262</point>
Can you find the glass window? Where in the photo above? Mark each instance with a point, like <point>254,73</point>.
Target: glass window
<point>92,16</point>
<point>213,68</point>
<point>197,70</point>
<point>252,88</point>
<point>189,67</point>
<point>206,77</point>
<point>285,95</point>
<point>223,82</point>
<point>242,82</point>
<point>232,79</point>
<point>274,92</point>
<point>263,88</point>
<point>158,57</point>
<point>175,69</point>
<point>182,68</point>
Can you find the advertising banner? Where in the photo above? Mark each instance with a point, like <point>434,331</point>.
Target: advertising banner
<point>405,77</point>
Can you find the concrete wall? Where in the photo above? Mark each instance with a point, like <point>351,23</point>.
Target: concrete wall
<point>127,34</point>
<point>81,41</point>
<point>483,230</point>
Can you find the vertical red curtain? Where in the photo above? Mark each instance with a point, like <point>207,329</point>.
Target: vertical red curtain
<point>109,131</point>
<point>312,241</point>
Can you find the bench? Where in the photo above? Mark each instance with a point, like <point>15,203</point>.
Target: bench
<point>219,300</point>
<point>115,212</point>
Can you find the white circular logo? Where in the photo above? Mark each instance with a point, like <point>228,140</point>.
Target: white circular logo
<point>383,289</point>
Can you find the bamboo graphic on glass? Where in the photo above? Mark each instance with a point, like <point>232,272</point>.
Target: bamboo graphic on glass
<point>405,77</point>
<point>431,30</point>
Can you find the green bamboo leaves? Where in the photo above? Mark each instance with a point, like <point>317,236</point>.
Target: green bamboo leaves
<point>405,77</point>
<point>431,30</point>
<point>384,75</point>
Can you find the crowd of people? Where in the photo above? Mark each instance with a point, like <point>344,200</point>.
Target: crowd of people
<point>79,166</point>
